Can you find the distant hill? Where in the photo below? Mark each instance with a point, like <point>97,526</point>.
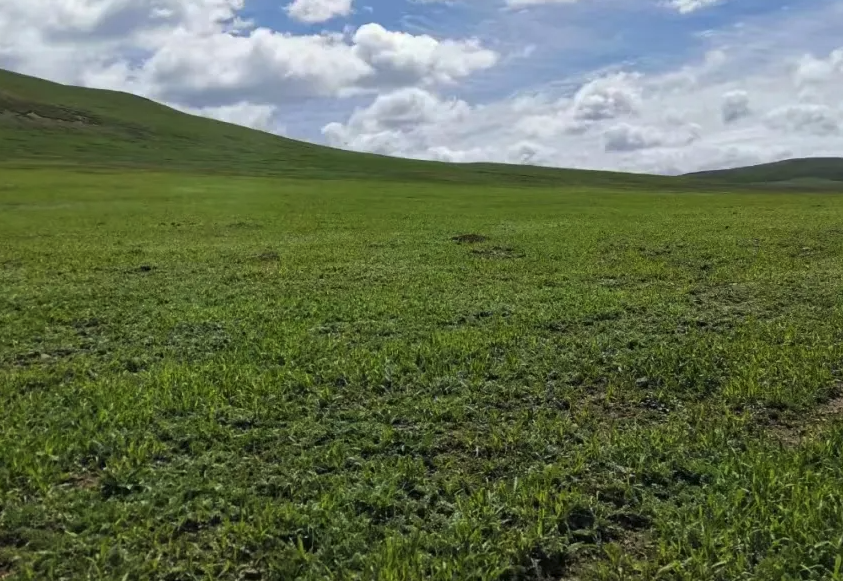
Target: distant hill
<point>48,122</point>
<point>809,172</point>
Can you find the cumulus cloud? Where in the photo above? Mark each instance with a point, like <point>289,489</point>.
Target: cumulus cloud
<point>626,137</point>
<point>820,120</point>
<point>403,58</point>
<point>526,3</point>
<point>758,94</point>
<point>261,117</point>
<point>199,53</point>
<point>669,122</point>
<point>735,106</point>
<point>394,122</point>
<point>819,71</point>
<point>682,6</point>
<point>314,11</point>
<point>606,98</point>
<point>688,6</point>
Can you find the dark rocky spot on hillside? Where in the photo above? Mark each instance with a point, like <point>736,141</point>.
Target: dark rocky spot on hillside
<point>34,112</point>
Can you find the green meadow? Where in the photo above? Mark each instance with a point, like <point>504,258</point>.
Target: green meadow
<point>438,372</point>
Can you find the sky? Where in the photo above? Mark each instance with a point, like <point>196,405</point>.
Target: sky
<point>659,86</point>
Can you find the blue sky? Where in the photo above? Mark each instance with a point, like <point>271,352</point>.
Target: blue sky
<point>642,85</point>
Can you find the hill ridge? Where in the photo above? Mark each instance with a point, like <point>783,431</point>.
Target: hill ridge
<point>795,170</point>
<point>44,121</point>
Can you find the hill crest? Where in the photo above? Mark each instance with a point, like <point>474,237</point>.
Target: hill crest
<point>43,121</point>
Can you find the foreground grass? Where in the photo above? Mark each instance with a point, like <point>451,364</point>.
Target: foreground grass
<point>245,378</point>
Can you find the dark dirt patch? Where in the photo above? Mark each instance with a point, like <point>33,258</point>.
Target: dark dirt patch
<point>91,323</point>
<point>193,526</point>
<point>580,518</point>
<point>43,357</point>
<point>653,403</point>
<point>11,539</point>
<point>11,264</point>
<point>469,238</point>
<point>631,521</point>
<point>499,252</point>
<point>793,431</point>
<point>268,256</point>
<point>541,565</point>
<point>245,225</point>
<point>787,434</point>
<point>85,481</point>
<point>558,326</point>
<point>833,407</point>
<point>135,365</point>
<point>688,476</point>
<point>44,113</point>
<point>110,487</point>
<point>143,268</point>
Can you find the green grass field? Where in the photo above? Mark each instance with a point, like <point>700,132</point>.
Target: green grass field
<point>427,375</point>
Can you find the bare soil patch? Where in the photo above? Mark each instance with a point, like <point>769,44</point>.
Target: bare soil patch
<point>469,239</point>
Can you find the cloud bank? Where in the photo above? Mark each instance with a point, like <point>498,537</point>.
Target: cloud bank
<point>755,88</point>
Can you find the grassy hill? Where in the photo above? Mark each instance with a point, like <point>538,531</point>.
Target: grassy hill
<point>42,120</point>
<point>797,173</point>
<point>45,121</point>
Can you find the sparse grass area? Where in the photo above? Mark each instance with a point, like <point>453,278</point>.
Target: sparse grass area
<point>250,378</point>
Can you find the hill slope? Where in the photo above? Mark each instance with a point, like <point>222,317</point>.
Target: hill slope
<point>798,172</point>
<point>45,121</point>
<point>41,120</point>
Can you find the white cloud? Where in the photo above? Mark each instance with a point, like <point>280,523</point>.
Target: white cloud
<point>404,58</point>
<point>260,117</point>
<point>197,53</point>
<point>670,122</point>
<point>388,124</point>
<point>526,3</point>
<point>766,89</point>
<point>688,6</point>
<point>606,98</point>
<point>735,106</point>
<point>626,137</point>
<point>683,6</point>
<point>813,119</point>
<point>818,71</point>
<point>315,11</point>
